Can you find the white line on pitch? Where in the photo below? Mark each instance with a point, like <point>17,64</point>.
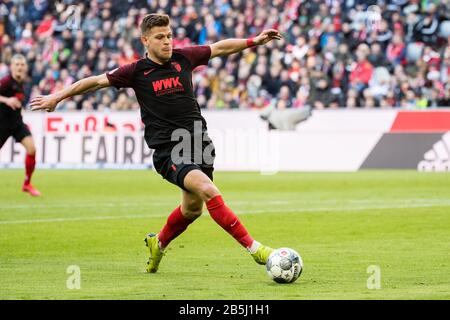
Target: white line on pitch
<point>239,212</point>
<point>118,204</point>
<point>269,202</point>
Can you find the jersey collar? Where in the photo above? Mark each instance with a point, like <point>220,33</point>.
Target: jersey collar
<point>168,63</point>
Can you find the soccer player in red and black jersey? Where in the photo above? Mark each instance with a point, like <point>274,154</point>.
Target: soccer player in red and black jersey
<point>12,98</point>
<point>162,82</point>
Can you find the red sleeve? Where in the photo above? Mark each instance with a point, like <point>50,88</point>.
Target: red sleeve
<point>122,77</point>
<point>197,55</point>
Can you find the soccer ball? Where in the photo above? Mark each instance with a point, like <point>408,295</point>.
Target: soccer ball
<point>284,265</point>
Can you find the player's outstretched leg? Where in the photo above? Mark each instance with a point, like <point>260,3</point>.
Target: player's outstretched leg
<point>177,222</point>
<point>30,164</point>
<point>200,184</point>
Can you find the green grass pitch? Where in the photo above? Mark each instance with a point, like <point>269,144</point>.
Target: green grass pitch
<point>340,223</point>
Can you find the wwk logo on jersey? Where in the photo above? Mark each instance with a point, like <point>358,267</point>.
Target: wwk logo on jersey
<point>166,86</point>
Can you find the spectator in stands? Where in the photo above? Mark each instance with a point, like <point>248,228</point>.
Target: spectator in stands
<point>328,36</point>
<point>377,57</point>
<point>396,51</point>
<point>320,96</point>
<point>362,70</point>
<point>284,99</point>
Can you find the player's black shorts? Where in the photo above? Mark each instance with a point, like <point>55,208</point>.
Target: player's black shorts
<point>167,162</point>
<point>18,131</point>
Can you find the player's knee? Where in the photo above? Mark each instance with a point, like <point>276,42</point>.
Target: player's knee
<point>192,213</point>
<point>31,150</point>
<point>208,191</point>
<point>192,208</point>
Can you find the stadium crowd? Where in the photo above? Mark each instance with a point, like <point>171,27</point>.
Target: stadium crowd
<point>335,53</point>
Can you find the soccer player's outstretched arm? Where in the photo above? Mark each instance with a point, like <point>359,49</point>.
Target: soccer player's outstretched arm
<point>49,102</point>
<point>230,46</point>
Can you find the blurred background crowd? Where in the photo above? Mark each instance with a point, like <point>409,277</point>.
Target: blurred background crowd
<point>335,53</point>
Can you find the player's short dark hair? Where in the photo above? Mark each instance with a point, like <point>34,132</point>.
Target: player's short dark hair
<point>154,20</point>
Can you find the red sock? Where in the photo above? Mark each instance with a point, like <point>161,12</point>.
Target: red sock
<point>30,163</point>
<point>175,225</point>
<point>228,221</point>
